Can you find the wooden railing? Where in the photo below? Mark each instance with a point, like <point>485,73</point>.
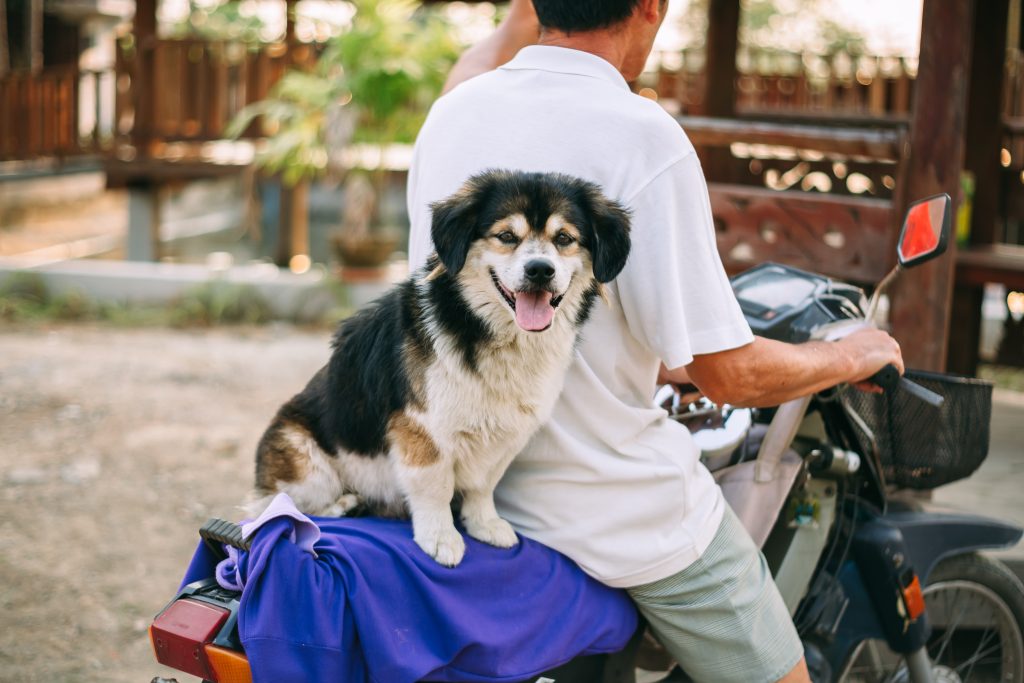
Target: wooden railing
<point>772,82</point>
<point>57,112</point>
<point>836,233</point>
<point>199,86</point>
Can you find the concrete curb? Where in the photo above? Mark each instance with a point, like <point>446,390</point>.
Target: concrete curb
<point>299,297</point>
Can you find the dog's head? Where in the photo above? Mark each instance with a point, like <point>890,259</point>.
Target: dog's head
<point>528,240</point>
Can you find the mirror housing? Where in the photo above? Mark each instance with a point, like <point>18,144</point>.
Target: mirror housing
<point>926,230</point>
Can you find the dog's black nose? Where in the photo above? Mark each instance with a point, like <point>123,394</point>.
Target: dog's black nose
<point>539,271</point>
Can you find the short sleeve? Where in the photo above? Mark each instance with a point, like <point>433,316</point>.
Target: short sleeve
<point>674,292</point>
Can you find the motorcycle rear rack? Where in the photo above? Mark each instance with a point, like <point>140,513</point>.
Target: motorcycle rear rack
<point>217,533</point>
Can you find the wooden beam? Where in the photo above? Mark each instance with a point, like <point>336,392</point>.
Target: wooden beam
<point>984,140</point>
<point>875,144</point>
<point>922,297</point>
<point>1003,263</point>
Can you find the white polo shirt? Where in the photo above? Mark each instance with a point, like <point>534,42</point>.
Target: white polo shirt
<point>610,481</point>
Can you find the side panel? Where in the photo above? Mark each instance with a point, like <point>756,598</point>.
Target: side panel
<point>928,539</point>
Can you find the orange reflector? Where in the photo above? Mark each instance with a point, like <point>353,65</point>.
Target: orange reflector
<point>913,599</point>
<point>228,666</point>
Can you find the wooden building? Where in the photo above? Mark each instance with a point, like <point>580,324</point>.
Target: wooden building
<point>779,154</point>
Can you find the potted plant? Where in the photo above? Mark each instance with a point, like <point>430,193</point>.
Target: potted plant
<point>371,87</point>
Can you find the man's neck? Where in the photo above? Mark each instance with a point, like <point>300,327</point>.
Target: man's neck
<point>605,44</point>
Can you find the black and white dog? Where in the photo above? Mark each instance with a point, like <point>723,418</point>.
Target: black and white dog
<point>433,389</point>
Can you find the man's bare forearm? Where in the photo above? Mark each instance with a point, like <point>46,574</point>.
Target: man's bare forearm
<point>767,372</point>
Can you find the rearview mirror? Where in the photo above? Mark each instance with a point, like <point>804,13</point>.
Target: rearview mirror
<point>925,232</point>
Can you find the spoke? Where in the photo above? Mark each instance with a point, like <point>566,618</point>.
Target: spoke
<point>977,657</point>
<point>950,629</point>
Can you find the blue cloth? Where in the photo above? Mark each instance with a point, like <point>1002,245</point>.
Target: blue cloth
<point>369,605</point>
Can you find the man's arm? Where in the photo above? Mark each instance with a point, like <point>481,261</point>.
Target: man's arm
<point>518,29</point>
<point>767,372</point>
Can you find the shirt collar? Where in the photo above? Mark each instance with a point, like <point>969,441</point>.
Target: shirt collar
<point>567,61</point>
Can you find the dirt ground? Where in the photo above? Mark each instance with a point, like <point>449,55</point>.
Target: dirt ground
<point>115,446</point>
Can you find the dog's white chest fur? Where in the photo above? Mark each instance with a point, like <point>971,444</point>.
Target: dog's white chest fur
<point>481,418</point>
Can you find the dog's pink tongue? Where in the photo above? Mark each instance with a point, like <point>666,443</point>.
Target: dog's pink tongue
<point>534,311</point>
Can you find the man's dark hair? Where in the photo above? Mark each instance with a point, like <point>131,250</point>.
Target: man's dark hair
<point>571,16</point>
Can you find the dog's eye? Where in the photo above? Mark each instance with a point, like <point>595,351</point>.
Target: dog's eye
<point>507,237</point>
<point>564,239</point>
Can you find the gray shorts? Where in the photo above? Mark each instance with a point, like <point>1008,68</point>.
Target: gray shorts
<point>722,617</point>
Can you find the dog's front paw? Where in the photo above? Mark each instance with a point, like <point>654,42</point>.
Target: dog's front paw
<point>444,545</point>
<point>341,507</point>
<point>494,531</point>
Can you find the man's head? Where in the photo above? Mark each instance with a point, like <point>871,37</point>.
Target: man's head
<point>573,16</point>
<point>631,24</point>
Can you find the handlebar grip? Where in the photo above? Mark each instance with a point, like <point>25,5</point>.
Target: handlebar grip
<point>888,378</point>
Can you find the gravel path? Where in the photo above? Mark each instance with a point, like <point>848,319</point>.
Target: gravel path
<point>115,445</point>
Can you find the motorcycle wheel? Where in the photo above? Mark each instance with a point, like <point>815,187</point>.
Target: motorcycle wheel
<point>975,606</point>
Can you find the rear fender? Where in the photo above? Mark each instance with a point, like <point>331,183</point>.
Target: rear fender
<point>931,538</point>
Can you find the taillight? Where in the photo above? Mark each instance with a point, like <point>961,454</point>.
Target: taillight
<point>228,666</point>
<point>181,633</point>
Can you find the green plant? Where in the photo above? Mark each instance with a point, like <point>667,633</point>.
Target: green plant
<point>23,296</point>
<point>219,303</point>
<point>378,77</point>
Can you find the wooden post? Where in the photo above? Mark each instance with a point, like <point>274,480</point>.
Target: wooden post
<point>981,158</point>
<point>35,35</point>
<point>922,297</point>
<point>720,78</point>
<point>143,87</point>
<point>5,42</point>
<point>293,223</point>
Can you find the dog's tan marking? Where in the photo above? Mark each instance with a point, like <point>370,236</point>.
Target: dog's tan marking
<point>436,272</point>
<point>557,224</point>
<point>282,455</point>
<point>417,361</point>
<point>515,223</point>
<point>414,444</point>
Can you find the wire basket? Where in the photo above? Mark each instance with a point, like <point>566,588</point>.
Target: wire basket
<point>921,446</point>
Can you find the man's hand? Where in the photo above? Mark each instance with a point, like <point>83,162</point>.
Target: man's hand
<point>873,349</point>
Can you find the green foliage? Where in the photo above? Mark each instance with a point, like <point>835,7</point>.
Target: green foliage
<point>223,21</point>
<point>219,303</point>
<point>23,296</point>
<point>385,69</point>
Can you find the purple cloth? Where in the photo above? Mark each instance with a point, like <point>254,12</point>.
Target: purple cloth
<point>369,605</point>
<point>305,533</point>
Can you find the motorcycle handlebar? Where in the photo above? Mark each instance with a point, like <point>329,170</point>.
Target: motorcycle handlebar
<point>889,379</point>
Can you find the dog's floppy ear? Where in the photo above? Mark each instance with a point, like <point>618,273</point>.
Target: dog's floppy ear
<point>609,245</point>
<point>456,221</point>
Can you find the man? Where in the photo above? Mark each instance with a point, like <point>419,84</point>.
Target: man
<point>610,481</point>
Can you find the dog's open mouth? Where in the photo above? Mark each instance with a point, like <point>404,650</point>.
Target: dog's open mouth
<point>534,309</point>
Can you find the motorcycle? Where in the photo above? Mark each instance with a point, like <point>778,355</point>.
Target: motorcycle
<point>879,589</point>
